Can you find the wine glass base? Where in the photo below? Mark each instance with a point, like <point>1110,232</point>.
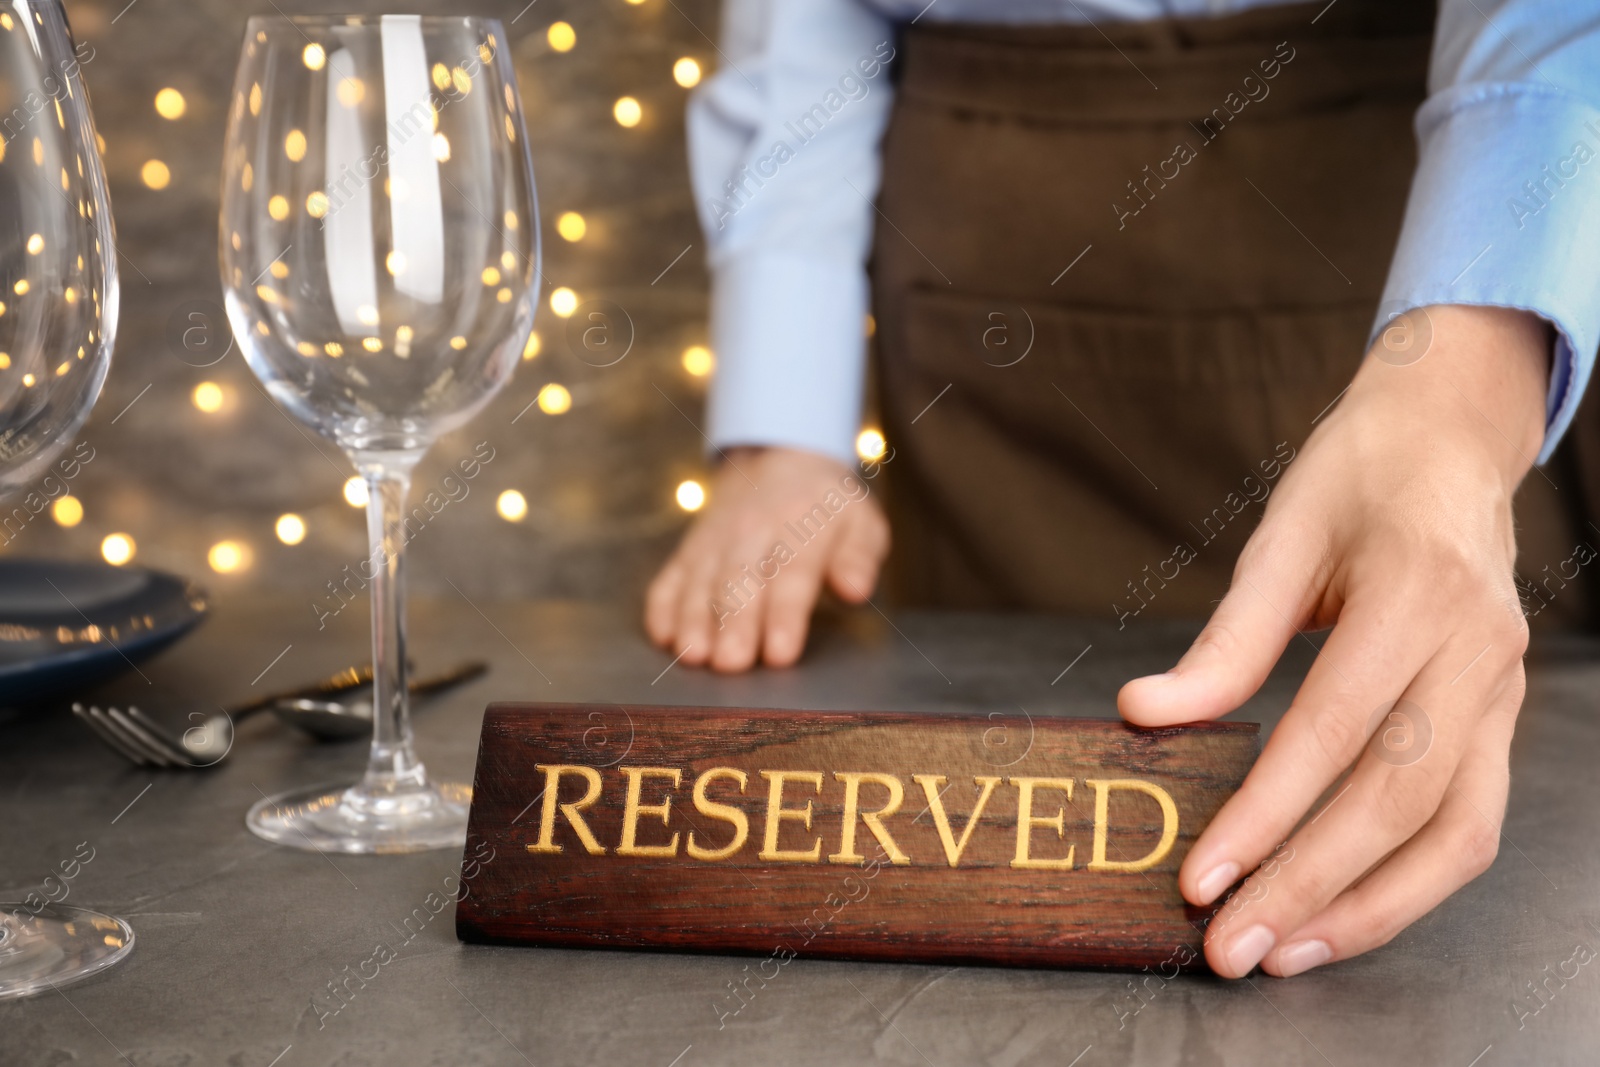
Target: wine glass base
<point>354,820</point>
<point>56,946</point>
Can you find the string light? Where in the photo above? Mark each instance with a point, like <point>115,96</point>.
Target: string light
<point>117,549</point>
<point>531,349</point>
<point>698,360</point>
<point>870,445</point>
<point>351,91</point>
<point>355,491</point>
<point>208,397</point>
<point>315,56</point>
<point>571,226</point>
<point>686,72</point>
<point>561,36</point>
<point>511,505</point>
<point>554,399</point>
<point>226,557</point>
<point>691,495</point>
<point>294,146</point>
<point>170,104</point>
<point>67,511</point>
<point>155,174</point>
<point>627,111</point>
<point>564,302</point>
<point>290,528</point>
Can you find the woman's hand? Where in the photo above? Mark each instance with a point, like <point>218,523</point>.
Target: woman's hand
<point>746,576</point>
<point>1394,526</point>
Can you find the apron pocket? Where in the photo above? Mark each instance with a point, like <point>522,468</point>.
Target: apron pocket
<point>1079,457</point>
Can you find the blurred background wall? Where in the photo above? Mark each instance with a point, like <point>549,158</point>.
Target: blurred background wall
<point>197,472</point>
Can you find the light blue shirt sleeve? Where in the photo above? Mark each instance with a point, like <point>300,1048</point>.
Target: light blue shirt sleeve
<point>784,164</point>
<point>1505,204</point>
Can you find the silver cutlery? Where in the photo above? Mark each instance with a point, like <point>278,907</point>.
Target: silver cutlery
<point>338,720</point>
<point>138,737</point>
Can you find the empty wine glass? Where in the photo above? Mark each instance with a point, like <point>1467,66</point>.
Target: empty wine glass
<point>58,319</point>
<point>379,245</point>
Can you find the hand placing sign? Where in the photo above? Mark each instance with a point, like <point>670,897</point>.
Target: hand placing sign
<point>1395,528</point>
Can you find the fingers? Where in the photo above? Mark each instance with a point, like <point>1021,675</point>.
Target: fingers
<point>1458,844</point>
<point>790,598</point>
<point>1275,587</point>
<point>1390,797</point>
<point>661,602</point>
<point>863,543</point>
<point>724,609</point>
<point>696,622</point>
<point>1374,651</point>
<point>744,581</point>
<point>850,564</point>
<point>736,640</point>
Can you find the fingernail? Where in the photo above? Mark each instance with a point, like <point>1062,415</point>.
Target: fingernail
<point>1248,948</point>
<point>1216,880</point>
<point>1302,956</point>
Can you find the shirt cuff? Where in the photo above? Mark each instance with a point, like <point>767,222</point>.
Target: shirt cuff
<point>789,333</point>
<point>1505,211</point>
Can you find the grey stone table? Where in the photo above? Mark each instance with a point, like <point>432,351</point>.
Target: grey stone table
<point>238,939</point>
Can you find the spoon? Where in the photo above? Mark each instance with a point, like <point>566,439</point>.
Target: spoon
<point>336,720</point>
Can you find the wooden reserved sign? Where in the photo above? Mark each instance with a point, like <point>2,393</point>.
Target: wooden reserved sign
<point>1010,839</point>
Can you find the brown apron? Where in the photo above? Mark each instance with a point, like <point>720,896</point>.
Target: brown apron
<point>1119,273</point>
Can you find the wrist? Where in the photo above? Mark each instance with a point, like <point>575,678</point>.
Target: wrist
<point>1475,376</point>
<point>741,454</point>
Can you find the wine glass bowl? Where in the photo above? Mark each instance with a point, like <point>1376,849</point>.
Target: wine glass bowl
<point>58,274</point>
<point>379,238</point>
<point>58,319</point>
<point>379,248</point>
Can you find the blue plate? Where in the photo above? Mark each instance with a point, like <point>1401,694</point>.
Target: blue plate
<point>66,626</point>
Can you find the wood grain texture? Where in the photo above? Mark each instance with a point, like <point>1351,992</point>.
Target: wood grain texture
<point>531,878</point>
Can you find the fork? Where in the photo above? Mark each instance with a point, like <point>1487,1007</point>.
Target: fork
<point>141,739</point>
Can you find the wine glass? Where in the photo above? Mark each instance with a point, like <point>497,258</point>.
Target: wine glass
<point>58,320</point>
<point>379,245</point>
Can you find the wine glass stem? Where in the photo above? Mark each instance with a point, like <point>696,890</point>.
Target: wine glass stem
<point>392,765</point>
